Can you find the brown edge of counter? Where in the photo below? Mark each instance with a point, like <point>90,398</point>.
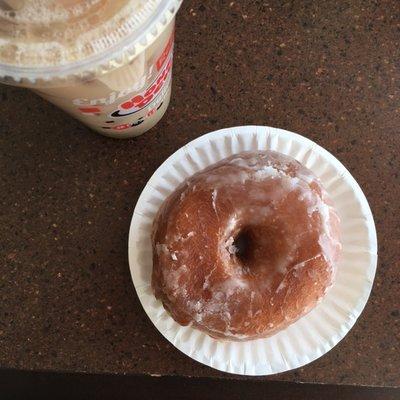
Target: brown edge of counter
<point>17,384</point>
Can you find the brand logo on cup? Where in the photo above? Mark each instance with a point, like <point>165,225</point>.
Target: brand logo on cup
<point>142,100</point>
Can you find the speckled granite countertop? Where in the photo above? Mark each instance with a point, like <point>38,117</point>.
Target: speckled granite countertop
<point>326,69</point>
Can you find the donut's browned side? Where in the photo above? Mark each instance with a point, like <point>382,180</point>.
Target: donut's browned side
<point>246,247</point>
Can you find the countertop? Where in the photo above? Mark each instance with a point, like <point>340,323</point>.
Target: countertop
<point>328,70</point>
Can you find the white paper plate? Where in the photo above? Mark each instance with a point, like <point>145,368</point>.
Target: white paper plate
<point>314,334</point>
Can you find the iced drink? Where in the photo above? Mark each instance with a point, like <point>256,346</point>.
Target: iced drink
<point>108,63</point>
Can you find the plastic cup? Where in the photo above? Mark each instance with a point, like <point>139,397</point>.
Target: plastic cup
<point>107,63</point>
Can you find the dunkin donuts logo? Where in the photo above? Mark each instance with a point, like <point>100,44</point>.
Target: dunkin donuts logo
<point>139,121</point>
<point>140,101</point>
<point>152,97</point>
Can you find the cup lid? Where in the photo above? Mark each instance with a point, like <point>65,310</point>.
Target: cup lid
<point>46,40</point>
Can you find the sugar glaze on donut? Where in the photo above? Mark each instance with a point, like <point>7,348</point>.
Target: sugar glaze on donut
<point>245,247</point>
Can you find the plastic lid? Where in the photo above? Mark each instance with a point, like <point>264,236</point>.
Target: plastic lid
<point>47,40</point>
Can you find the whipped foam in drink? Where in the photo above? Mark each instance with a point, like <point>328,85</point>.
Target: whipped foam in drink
<point>106,62</point>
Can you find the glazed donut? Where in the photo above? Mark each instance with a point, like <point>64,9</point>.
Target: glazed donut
<point>245,247</point>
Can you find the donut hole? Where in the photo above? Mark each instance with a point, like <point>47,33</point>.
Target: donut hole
<point>261,248</point>
<point>243,245</point>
